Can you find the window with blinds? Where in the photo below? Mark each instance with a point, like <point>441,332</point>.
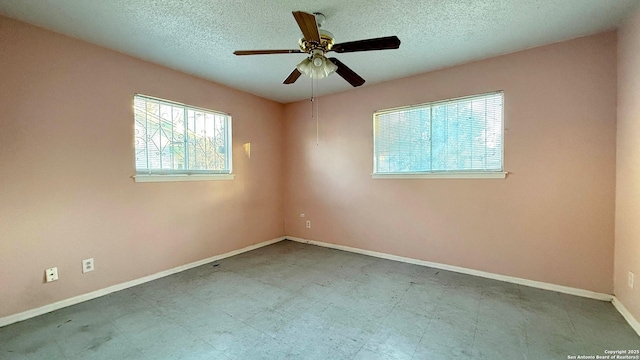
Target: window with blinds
<point>455,135</point>
<point>177,139</point>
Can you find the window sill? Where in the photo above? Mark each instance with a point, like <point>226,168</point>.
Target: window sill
<point>444,175</point>
<point>170,178</point>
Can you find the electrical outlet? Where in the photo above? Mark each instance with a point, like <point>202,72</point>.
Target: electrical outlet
<point>51,274</point>
<point>87,265</point>
<point>308,224</point>
<point>630,280</point>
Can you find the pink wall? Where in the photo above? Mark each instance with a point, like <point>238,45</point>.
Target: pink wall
<point>627,253</point>
<point>551,220</point>
<point>66,158</point>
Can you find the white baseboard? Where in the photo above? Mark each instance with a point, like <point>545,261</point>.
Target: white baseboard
<point>108,290</point>
<point>458,269</point>
<point>537,284</point>
<point>626,315</point>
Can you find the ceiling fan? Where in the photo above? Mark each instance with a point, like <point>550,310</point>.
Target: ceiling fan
<point>317,42</point>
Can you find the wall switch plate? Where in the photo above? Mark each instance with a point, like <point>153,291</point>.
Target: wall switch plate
<point>301,214</point>
<point>51,274</point>
<point>630,280</point>
<point>308,224</point>
<point>87,265</point>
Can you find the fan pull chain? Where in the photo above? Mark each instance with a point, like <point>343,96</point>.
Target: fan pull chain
<point>317,121</point>
<point>313,99</point>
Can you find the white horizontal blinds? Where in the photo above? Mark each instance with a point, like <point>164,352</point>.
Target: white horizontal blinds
<point>402,141</point>
<point>172,138</point>
<point>456,135</point>
<point>140,133</point>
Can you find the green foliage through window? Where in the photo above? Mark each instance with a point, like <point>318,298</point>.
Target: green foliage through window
<point>464,134</point>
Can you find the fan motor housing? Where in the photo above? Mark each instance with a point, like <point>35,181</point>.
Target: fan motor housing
<point>326,42</point>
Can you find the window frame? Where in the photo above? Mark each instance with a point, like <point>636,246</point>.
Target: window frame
<point>171,175</point>
<point>439,174</point>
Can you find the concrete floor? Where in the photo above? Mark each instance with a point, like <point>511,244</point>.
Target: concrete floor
<point>296,301</point>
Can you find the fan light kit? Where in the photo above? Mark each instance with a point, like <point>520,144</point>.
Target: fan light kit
<point>317,66</point>
<point>317,42</point>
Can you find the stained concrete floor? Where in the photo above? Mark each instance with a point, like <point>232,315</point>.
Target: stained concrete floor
<point>297,301</point>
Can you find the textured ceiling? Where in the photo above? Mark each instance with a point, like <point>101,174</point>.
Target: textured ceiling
<point>199,36</point>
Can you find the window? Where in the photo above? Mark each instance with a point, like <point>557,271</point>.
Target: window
<point>452,138</point>
<point>174,141</point>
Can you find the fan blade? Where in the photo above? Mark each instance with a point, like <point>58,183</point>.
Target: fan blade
<point>383,43</point>
<point>308,26</point>
<point>346,73</point>
<point>295,74</point>
<point>265,52</point>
